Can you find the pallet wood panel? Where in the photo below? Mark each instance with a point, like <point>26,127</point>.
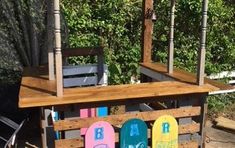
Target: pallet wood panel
<point>183,76</point>
<point>183,129</point>
<point>120,119</point>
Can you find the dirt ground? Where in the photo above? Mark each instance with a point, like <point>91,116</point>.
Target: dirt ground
<point>216,138</point>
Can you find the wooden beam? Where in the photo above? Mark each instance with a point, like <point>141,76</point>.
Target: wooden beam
<point>202,49</point>
<point>58,57</point>
<point>147,30</point>
<point>120,119</point>
<point>50,40</point>
<point>171,40</point>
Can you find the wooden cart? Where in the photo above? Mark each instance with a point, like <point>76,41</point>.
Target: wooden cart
<point>185,93</point>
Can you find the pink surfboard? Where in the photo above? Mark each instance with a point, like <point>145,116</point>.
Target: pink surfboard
<point>84,113</point>
<point>100,135</point>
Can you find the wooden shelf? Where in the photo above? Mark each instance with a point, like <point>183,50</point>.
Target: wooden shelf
<point>37,91</point>
<point>184,76</point>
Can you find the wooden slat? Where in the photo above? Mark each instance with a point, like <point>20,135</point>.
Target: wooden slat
<point>184,76</point>
<point>82,51</point>
<point>83,81</point>
<point>81,69</point>
<point>120,119</point>
<point>78,143</point>
<point>190,144</point>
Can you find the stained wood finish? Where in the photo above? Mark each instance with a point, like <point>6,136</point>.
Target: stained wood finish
<point>120,119</point>
<point>36,92</point>
<point>147,30</point>
<point>184,76</point>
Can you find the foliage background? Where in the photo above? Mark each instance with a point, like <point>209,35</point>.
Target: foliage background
<point>116,24</point>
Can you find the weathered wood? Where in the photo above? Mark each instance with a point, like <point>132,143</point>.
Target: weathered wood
<point>147,30</point>
<point>171,40</point>
<point>82,81</point>
<point>82,51</point>
<point>58,56</point>
<point>183,76</point>
<point>81,69</point>
<point>225,123</point>
<point>120,119</point>
<point>202,49</point>
<point>78,143</point>
<point>36,92</point>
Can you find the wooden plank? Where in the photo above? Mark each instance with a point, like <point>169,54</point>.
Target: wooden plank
<point>147,30</point>
<point>183,76</point>
<point>106,94</point>
<point>190,144</point>
<point>120,119</point>
<point>82,51</point>
<point>81,69</point>
<point>81,81</point>
<point>78,143</point>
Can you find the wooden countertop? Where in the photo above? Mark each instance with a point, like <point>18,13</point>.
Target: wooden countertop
<point>186,77</point>
<point>37,91</point>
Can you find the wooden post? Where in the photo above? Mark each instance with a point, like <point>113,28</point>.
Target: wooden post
<point>202,50</point>
<point>58,57</point>
<point>50,39</point>
<point>147,30</point>
<point>171,40</point>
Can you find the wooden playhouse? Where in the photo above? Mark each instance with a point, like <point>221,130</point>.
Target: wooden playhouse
<point>184,94</point>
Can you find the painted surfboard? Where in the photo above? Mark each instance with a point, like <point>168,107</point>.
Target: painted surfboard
<point>134,134</point>
<point>84,113</point>
<point>101,111</point>
<point>100,135</point>
<point>165,132</point>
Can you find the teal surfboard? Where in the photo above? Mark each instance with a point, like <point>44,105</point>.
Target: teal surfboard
<point>134,134</point>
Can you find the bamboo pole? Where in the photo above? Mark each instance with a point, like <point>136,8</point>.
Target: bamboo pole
<point>202,49</point>
<point>170,63</point>
<point>58,57</point>
<point>50,39</point>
